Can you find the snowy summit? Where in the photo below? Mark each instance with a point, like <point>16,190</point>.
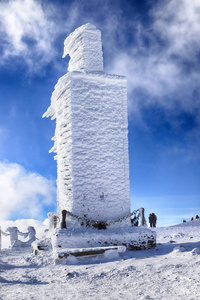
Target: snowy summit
<point>170,271</point>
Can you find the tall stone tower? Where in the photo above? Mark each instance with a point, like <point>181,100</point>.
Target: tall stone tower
<point>91,135</point>
<point>91,146</point>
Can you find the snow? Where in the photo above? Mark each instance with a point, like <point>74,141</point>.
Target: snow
<point>130,236</point>
<point>23,226</point>
<point>74,255</point>
<point>85,49</point>
<point>170,271</point>
<point>92,145</point>
<point>91,135</point>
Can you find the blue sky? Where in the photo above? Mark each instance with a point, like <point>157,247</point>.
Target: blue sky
<point>156,45</point>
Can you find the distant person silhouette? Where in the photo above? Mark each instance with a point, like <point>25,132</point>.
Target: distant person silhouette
<point>154,219</point>
<point>150,220</point>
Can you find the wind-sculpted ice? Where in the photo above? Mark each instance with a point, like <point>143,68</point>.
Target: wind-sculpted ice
<point>91,135</point>
<point>31,235</point>
<point>85,49</point>
<point>13,233</point>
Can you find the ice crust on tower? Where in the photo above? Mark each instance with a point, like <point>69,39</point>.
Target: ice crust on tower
<point>91,136</point>
<point>85,49</point>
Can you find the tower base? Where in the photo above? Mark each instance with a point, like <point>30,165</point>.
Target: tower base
<point>134,238</point>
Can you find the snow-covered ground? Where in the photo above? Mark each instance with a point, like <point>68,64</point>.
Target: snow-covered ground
<point>170,271</point>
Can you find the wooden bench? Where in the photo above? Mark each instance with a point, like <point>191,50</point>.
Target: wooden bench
<point>86,252</point>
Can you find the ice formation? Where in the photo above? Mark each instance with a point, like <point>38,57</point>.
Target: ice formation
<point>91,146</point>
<point>84,48</point>
<point>91,136</point>
<point>31,235</point>
<point>13,232</point>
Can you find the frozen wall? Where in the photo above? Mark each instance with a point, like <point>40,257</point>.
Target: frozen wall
<point>91,140</point>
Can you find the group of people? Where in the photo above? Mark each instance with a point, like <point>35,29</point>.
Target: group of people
<point>197,217</point>
<point>152,220</point>
<point>192,219</point>
<point>13,232</point>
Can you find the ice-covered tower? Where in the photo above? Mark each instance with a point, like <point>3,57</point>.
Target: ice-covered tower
<point>91,136</point>
<point>91,142</point>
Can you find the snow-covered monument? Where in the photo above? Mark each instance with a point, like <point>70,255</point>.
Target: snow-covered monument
<point>91,139</point>
<point>91,146</point>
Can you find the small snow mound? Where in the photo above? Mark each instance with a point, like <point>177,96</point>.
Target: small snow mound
<point>40,259</point>
<point>195,251</point>
<point>72,274</point>
<point>131,268</point>
<point>179,248</point>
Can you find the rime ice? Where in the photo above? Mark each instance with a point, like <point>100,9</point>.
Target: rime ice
<point>91,146</point>
<point>91,136</point>
<point>85,49</point>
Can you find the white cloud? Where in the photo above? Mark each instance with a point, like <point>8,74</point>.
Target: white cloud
<point>24,194</point>
<point>162,71</point>
<point>166,70</point>
<point>155,70</point>
<point>20,18</point>
<point>28,30</point>
<point>178,22</point>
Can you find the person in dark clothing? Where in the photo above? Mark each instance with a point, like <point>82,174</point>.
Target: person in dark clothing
<point>197,217</point>
<point>150,220</point>
<point>154,219</point>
